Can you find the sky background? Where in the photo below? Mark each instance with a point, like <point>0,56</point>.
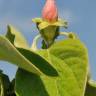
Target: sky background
<point>81,15</point>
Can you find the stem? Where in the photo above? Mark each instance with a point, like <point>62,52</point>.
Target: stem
<point>34,44</point>
<point>69,35</point>
<point>64,33</point>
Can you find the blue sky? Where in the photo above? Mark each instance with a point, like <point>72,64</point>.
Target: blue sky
<point>81,15</point>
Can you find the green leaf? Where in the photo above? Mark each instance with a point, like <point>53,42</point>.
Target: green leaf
<point>21,55</point>
<point>92,82</point>
<point>4,85</point>
<point>58,23</point>
<point>37,20</point>
<point>0,83</point>
<point>0,71</point>
<point>90,88</point>
<point>69,57</point>
<point>24,58</point>
<point>49,34</point>
<point>74,53</point>
<point>9,53</point>
<point>62,23</point>
<point>39,62</point>
<point>43,25</point>
<point>16,38</point>
<point>27,86</point>
<point>12,88</point>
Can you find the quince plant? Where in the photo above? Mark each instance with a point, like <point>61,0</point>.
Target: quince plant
<point>59,68</point>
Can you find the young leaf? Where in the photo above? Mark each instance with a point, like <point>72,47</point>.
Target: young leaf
<point>43,25</point>
<point>49,34</point>
<point>16,38</point>
<point>9,53</point>
<point>37,20</point>
<point>24,58</point>
<point>62,23</point>
<point>74,54</point>
<point>70,59</point>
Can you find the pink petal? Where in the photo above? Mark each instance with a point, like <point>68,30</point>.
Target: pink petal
<point>50,12</point>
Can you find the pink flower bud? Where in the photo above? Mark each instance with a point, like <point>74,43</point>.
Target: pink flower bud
<point>50,12</point>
